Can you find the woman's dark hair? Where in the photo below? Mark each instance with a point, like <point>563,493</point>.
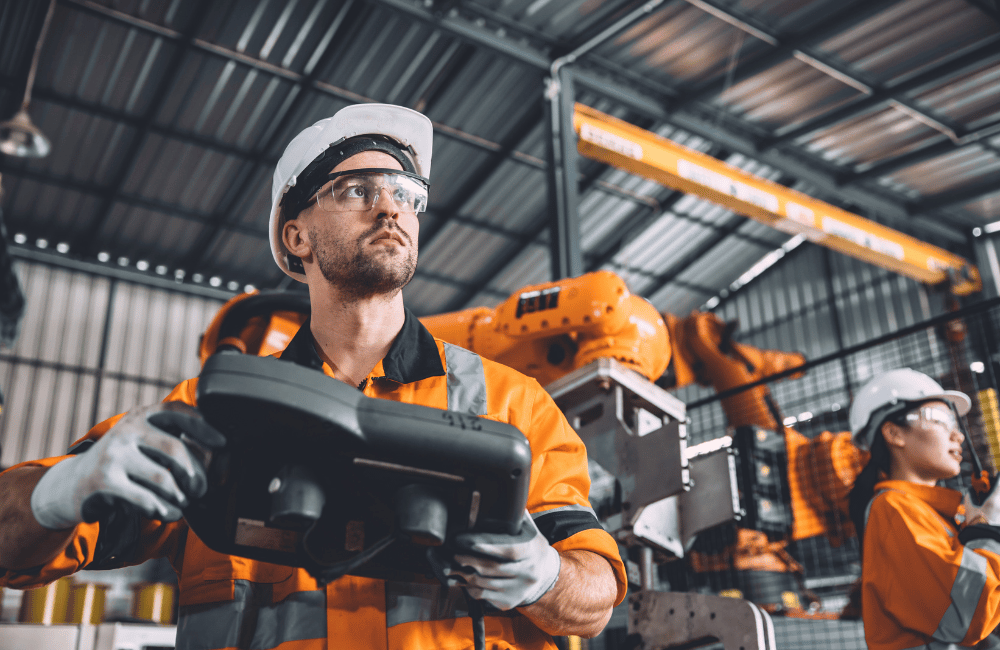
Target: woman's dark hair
<point>864,485</point>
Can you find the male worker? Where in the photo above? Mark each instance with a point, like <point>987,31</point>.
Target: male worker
<point>344,219</point>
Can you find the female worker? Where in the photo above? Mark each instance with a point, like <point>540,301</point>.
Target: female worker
<point>926,583</point>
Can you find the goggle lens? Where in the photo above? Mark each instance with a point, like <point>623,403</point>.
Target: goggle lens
<point>934,415</point>
<point>358,192</point>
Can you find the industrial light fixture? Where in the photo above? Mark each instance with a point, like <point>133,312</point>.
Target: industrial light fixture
<point>18,136</point>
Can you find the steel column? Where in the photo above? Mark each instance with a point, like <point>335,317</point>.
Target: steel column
<point>562,176</point>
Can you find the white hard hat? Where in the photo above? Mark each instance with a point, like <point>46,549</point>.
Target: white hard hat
<point>412,130</point>
<point>896,387</point>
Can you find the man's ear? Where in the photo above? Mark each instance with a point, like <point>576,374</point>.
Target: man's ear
<point>893,435</point>
<point>295,237</point>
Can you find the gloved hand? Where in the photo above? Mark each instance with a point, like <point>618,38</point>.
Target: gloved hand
<point>142,460</point>
<point>506,571</point>
<point>988,512</point>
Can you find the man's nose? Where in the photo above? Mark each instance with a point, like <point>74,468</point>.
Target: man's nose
<point>385,206</point>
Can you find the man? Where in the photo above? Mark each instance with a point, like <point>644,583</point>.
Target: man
<point>345,202</point>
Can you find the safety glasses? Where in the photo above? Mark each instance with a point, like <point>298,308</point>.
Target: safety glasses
<point>358,190</point>
<point>935,415</point>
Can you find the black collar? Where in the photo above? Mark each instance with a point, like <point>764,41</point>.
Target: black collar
<point>412,357</point>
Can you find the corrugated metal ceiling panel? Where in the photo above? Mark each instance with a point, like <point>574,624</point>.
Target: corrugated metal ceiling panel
<point>963,167</point>
<point>909,35</point>
<point>462,252</point>
<point>878,134</point>
<point>786,95</point>
<point>532,266</point>
<point>724,263</point>
<point>681,43</point>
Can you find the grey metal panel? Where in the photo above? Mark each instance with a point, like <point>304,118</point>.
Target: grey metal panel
<point>461,251</point>
<point>530,267</point>
<point>50,376</point>
<point>425,296</point>
<point>513,197</point>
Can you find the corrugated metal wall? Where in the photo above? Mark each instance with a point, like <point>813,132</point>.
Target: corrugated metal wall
<point>91,347</point>
<point>817,302</point>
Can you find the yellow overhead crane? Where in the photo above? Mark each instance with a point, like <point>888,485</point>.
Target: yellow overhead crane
<point>623,145</point>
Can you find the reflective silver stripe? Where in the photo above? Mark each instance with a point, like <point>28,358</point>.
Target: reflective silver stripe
<point>965,594</point>
<point>406,602</point>
<point>251,620</point>
<point>466,381</point>
<point>574,508</point>
<point>986,544</point>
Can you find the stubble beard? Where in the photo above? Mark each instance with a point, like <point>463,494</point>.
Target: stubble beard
<point>360,271</point>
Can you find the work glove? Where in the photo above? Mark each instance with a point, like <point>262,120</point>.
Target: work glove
<point>506,571</point>
<point>986,512</point>
<point>154,459</point>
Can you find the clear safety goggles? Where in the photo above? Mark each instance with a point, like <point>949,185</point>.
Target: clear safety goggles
<point>934,415</point>
<point>358,190</point>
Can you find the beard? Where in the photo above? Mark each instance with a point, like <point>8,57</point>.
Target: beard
<point>361,271</point>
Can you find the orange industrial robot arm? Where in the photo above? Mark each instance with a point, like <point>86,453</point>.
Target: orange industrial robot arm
<point>820,470</point>
<point>548,330</point>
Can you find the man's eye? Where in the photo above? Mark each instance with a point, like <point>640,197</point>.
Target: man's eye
<point>355,192</point>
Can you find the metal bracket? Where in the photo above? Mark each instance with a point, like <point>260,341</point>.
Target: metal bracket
<point>686,620</point>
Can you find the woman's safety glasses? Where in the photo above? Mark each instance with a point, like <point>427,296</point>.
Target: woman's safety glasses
<point>935,415</point>
<point>358,190</point>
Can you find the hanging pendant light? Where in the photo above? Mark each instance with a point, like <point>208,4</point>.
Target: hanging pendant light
<point>19,136</point>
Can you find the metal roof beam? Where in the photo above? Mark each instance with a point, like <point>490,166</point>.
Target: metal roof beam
<point>939,148</point>
<point>127,161</point>
<point>516,137</point>
<point>794,164</point>
<point>123,197</point>
<point>289,75</point>
<point>881,95</point>
<point>799,165</point>
<point>293,101</point>
<point>785,47</point>
<point>99,110</point>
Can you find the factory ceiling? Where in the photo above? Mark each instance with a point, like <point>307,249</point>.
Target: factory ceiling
<point>166,118</point>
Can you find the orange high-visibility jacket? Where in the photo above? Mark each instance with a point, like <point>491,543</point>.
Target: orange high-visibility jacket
<point>231,602</point>
<point>921,586</point>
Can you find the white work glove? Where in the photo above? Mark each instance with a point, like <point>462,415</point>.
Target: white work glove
<point>988,512</point>
<point>141,460</point>
<point>506,571</point>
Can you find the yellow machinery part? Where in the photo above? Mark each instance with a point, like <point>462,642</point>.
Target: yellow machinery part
<point>641,152</point>
<point>991,421</point>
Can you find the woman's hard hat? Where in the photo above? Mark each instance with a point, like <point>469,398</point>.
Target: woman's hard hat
<point>896,387</point>
<point>412,130</point>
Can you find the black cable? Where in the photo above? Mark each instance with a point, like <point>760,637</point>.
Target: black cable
<point>478,621</point>
<point>330,573</point>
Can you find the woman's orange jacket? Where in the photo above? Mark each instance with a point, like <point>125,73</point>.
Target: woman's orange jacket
<point>921,586</point>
